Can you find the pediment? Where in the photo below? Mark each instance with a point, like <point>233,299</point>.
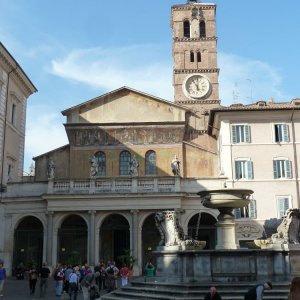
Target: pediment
<point>125,105</point>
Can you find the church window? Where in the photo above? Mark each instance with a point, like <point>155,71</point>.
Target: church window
<point>101,163</point>
<point>198,56</point>
<point>202,29</point>
<point>125,158</point>
<point>192,59</point>
<point>150,161</point>
<point>186,29</point>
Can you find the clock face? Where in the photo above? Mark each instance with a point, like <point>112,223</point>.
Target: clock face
<point>197,86</point>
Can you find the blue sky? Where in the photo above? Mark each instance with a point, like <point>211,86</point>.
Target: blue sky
<point>74,50</point>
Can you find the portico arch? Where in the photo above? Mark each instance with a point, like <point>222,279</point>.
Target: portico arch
<point>150,238</point>
<point>72,240</point>
<point>202,227</point>
<point>28,242</point>
<point>114,238</point>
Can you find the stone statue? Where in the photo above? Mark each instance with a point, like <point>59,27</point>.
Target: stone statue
<point>175,165</point>
<point>288,230</point>
<point>171,231</point>
<point>94,166</point>
<point>133,166</point>
<point>50,169</point>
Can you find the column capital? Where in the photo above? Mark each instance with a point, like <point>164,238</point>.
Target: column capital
<point>49,213</point>
<point>134,211</point>
<point>92,212</point>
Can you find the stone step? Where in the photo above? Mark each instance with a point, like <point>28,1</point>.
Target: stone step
<point>191,291</point>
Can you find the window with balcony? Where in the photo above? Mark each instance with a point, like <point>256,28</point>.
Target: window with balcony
<point>246,212</point>
<point>150,161</point>
<point>101,163</point>
<point>124,163</point>
<point>240,134</point>
<point>283,204</point>
<point>243,169</point>
<point>281,133</point>
<point>282,168</point>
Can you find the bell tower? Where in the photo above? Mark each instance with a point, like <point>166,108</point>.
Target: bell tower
<point>195,73</point>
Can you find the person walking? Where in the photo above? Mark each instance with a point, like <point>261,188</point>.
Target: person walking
<point>257,292</point>
<point>59,281</point>
<point>73,283</point>
<point>2,278</point>
<point>33,276</point>
<point>44,275</point>
<point>294,293</point>
<point>212,294</point>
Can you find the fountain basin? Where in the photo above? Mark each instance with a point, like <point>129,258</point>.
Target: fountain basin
<point>230,198</point>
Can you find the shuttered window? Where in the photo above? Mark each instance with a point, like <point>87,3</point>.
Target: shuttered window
<point>282,168</point>
<point>243,169</point>
<point>281,133</point>
<point>240,134</point>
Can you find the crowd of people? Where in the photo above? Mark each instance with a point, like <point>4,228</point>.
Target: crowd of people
<point>90,281</point>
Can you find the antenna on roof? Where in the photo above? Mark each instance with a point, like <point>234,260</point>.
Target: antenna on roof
<point>192,1</point>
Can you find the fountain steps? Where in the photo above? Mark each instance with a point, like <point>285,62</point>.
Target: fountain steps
<point>194,291</point>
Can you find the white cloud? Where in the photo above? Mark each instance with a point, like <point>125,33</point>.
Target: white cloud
<point>243,80</point>
<point>44,132</point>
<point>138,67</point>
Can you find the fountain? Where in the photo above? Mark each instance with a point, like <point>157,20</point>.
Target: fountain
<point>176,261</point>
<point>225,200</point>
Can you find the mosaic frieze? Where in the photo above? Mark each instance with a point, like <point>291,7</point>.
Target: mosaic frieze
<point>89,137</point>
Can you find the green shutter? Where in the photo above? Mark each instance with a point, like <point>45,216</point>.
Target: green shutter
<point>252,209</point>
<point>247,134</point>
<point>288,165</point>
<point>285,128</point>
<point>275,169</point>
<point>234,133</point>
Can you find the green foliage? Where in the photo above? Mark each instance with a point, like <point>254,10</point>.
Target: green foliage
<point>127,258</point>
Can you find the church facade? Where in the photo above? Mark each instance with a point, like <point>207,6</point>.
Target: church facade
<point>131,154</point>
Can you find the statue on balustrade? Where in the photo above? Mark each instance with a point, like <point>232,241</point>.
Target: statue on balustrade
<point>175,165</point>
<point>94,166</point>
<point>50,169</point>
<point>133,166</point>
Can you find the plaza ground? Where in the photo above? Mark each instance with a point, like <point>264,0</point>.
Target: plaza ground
<point>19,290</point>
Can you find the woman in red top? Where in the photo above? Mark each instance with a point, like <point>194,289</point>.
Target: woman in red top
<point>124,273</point>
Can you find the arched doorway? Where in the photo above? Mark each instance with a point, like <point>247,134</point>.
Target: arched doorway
<point>114,238</point>
<point>28,243</point>
<point>206,231</point>
<point>150,238</point>
<point>72,241</point>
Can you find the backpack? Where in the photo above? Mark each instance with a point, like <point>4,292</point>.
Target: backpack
<point>55,275</point>
<point>251,294</point>
<point>111,270</point>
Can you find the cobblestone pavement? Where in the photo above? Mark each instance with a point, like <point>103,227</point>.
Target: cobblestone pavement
<point>19,290</point>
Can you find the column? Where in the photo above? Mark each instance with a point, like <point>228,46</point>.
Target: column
<point>49,237</point>
<point>91,238</point>
<point>134,237</point>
